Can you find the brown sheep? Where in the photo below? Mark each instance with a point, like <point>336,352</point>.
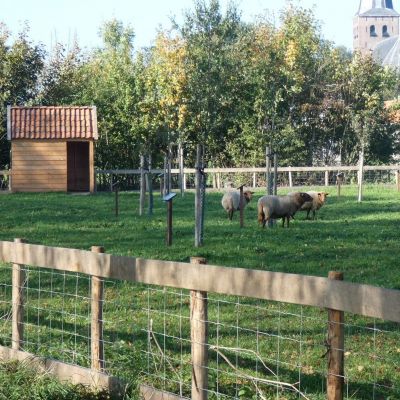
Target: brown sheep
<point>285,207</point>
<point>231,201</point>
<point>318,200</point>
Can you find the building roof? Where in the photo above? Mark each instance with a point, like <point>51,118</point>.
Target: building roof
<point>387,52</point>
<point>51,122</point>
<point>377,8</point>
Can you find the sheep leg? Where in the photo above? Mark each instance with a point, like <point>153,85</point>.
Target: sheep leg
<point>313,214</point>
<point>308,213</point>
<point>230,214</point>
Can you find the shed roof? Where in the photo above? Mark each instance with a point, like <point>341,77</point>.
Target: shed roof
<point>51,122</point>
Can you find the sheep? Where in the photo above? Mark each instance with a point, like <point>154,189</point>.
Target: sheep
<point>285,207</point>
<point>318,200</point>
<point>231,201</point>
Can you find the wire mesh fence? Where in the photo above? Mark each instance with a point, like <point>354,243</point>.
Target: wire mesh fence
<point>265,350</point>
<point>288,177</point>
<point>257,349</point>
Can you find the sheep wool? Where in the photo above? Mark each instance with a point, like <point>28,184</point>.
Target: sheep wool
<point>318,200</point>
<point>231,201</point>
<point>285,207</point>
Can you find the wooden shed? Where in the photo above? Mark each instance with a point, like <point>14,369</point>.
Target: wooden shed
<point>52,148</point>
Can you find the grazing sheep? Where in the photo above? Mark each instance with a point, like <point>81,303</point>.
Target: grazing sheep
<point>273,207</point>
<point>231,201</point>
<point>318,200</point>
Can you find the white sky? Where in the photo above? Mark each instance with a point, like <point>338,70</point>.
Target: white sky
<point>62,20</point>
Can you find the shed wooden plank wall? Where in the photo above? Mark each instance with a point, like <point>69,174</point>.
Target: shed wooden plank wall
<point>39,165</point>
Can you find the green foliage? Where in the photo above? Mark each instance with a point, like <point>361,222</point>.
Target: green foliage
<point>234,86</point>
<point>19,381</point>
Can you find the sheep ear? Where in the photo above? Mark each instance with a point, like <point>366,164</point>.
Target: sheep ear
<point>326,194</point>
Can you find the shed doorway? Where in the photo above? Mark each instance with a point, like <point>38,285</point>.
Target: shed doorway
<point>78,167</point>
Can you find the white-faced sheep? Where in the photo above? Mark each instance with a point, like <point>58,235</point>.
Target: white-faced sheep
<point>285,207</point>
<point>231,201</point>
<point>318,200</point>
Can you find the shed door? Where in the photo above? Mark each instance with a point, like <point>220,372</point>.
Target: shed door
<point>78,166</point>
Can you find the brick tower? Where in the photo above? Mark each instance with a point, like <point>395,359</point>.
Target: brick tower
<point>375,21</point>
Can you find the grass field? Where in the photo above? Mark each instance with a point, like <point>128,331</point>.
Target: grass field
<point>359,239</point>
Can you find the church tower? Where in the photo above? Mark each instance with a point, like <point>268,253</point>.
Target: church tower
<point>375,21</point>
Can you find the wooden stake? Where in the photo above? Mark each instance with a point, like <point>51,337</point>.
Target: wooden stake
<point>198,235</point>
<point>142,186</point>
<point>275,185</point>
<point>169,222</point>
<point>199,339</point>
<point>149,180</point>
<point>398,180</point>
<point>97,344</point>
<point>335,380</point>
<point>116,201</point>
<point>18,282</point>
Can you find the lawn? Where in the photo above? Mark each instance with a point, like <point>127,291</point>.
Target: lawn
<point>359,239</point>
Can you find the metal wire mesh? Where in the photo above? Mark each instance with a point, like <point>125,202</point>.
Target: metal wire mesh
<point>265,350</point>
<point>285,179</point>
<point>257,349</point>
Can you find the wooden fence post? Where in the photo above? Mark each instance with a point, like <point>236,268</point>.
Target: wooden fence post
<point>326,178</point>
<point>335,380</point>
<point>199,339</point>
<point>18,282</point>
<point>398,180</point>
<point>290,179</point>
<point>96,337</point>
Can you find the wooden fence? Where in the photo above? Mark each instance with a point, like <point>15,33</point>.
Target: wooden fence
<point>331,293</point>
<point>253,174</point>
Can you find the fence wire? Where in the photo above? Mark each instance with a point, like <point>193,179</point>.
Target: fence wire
<point>225,180</point>
<point>257,349</point>
<point>265,350</point>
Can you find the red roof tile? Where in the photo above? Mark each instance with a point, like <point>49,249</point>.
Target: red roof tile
<point>51,123</point>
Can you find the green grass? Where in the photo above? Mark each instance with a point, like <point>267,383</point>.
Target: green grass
<point>359,239</point>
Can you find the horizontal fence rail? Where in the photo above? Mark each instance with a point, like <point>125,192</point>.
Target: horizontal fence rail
<point>359,299</point>
<point>191,332</point>
<point>129,179</point>
<point>255,176</point>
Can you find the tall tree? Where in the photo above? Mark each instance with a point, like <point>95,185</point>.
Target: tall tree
<point>20,66</point>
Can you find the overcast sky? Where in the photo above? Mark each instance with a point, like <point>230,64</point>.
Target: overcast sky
<point>62,20</point>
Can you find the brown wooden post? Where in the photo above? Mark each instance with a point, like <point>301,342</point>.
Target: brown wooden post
<point>335,380</point>
<point>199,339</point>
<point>18,281</point>
<point>97,344</point>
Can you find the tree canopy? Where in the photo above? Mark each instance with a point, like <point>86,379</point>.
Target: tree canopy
<point>235,86</point>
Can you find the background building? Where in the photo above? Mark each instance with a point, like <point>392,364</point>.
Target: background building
<point>375,21</point>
